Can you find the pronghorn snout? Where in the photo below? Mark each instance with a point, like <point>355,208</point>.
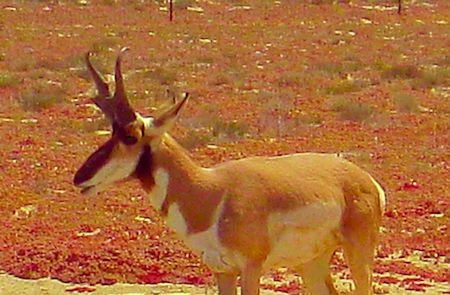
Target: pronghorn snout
<point>85,176</point>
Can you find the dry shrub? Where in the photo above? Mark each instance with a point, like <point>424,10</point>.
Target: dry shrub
<point>162,75</point>
<point>231,76</point>
<point>41,96</point>
<point>351,110</point>
<point>275,113</point>
<point>182,4</point>
<point>8,80</point>
<point>406,103</point>
<point>196,137</point>
<point>401,72</point>
<point>432,77</point>
<point>209,127</point>
<point>346,86</point>
<point>292,78</point>
<point>105,44</point>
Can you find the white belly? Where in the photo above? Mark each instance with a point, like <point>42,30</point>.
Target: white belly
<point>303,234</point>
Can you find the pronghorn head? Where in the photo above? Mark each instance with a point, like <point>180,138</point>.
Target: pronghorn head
<point>133,136</point>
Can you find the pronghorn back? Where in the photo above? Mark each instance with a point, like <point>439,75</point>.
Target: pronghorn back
<point>245,216</point>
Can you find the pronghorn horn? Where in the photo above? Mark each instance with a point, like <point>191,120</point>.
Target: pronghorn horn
<point>124,112</point>
<point>103,91</point>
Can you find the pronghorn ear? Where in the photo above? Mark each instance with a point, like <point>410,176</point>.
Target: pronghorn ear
<point>165,120</point>
<point>170,93</point>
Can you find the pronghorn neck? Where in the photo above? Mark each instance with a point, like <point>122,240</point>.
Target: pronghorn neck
<point>168,156</point>
<point>173,158</point>
<point>174,180</point>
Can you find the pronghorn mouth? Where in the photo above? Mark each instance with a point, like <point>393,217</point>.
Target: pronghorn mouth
<point>88,190</point>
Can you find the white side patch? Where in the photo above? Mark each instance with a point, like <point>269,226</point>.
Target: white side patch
<point>207,245</point>
<point>175,220</point>
<point>300,235</point>
<point>381,195</point>
<point>159,191</point>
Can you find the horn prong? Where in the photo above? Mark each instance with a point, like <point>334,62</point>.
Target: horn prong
<point>120,89</point>
<point>102,87</point>
<point>123,110</point>
<point>103,90</point>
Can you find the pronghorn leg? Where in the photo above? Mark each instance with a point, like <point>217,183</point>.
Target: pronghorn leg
<point>360,261</point>
<point>250,276</point>
<point>360,240</point>
<point>317,277</point>
<point>226,283</point>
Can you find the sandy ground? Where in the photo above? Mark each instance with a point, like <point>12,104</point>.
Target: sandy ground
<point>10,285</point>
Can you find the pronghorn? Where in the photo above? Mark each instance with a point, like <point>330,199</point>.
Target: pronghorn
<point>245,216</point>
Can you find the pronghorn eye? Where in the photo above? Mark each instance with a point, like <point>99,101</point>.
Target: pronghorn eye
<point>133,134</point>
<point>123,136</point>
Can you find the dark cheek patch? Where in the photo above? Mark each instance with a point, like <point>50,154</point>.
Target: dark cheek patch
<point>93,164</point>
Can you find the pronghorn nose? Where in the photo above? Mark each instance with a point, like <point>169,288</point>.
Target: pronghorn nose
<point>94,163</point>
<point>81,176</point>
<point>78,178</point>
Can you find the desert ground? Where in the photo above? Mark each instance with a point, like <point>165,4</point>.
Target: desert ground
<point>266,77</point>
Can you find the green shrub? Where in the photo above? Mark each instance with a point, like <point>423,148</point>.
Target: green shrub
<point>306,119</point>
